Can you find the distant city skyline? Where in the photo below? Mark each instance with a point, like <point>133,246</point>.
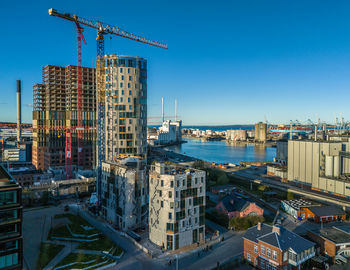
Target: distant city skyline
<point>229,62</point>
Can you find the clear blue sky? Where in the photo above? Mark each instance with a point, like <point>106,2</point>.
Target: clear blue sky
<point>229,62</point>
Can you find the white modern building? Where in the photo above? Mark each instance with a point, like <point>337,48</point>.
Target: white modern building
<point>176,206</point>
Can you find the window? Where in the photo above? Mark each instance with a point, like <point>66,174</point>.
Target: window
<point>8,197</point>
<point>160,193</point>
<point>268,252</point>
<point>130,92</point>
<point>274,254</point>
<point>177,194</point>
<point>161,204</point>
<point>128,70</point>
<point>8,260</point>
<point>170,215</point>
<point>248,257</point>
<point>262,248</point>
<point>129,77</point>
<point>171,205</point>
<point>122,77</point>
<point>161,183</point>
<point>256,249</point>
<point>121,69</point>
<point>121,84</point>
<point>170,194</point>
<point>262,263</point>
<point>171,183</point>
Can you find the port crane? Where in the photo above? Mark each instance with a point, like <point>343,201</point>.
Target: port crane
<point>102,30</point>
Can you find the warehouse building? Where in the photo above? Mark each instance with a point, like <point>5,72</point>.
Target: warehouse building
<point>320,165</point>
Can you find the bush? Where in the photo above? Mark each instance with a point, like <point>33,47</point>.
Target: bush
<point>290,196</point>
<point>240,224</point>
<point>217,217</point>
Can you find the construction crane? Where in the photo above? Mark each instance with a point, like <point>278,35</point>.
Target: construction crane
<point>102,29</point>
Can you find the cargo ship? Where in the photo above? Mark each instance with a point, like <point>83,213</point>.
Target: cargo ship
<point>295,129</point>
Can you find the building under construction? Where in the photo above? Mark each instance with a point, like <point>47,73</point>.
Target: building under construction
<point>55,111</point>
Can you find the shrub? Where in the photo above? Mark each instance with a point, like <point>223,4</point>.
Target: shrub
<point>239,224</point>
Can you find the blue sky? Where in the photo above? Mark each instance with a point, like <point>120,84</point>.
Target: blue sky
<point>229,62</point>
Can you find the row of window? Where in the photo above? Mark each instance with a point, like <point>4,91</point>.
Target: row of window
<point>268,252</point>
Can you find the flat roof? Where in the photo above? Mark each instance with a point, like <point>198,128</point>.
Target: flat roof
<point>334,234</point>
<point>6,180</point>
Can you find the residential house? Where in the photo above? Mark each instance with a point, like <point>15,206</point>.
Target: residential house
<point>233,206</point>
<point>276,248</point>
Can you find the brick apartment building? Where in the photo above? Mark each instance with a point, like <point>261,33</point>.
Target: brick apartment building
<point>276,248</point>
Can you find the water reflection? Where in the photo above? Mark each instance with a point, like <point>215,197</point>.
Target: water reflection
<point>223,152</point>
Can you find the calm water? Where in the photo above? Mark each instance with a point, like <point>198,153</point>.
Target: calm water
<point>221,152</point>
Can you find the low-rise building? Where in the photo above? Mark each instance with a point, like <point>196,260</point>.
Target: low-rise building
<point>297,208</point>
<point>334,242</point>
<point>238,207</point>
<point>176,206</point>
<point>326,213</point>
<point>274,247</point>
<point>236,135</point>
<point>11,243</point>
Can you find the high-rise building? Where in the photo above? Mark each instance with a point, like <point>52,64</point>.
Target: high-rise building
<point>123,185</point>
<point>176,206</point>
<point>11,243</point>
<point>55,108</point>
<point>261,132</point>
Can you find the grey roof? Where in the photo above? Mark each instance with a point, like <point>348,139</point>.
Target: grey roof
<point>322,211</point>
<point>253,233</point>
<point>237,205</point>
<point>337,235</point>
<point>283,240</point>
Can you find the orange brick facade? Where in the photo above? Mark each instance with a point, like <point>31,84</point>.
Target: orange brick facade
<point>257,254</point>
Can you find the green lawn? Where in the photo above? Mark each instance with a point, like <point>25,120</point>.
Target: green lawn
<point>47,253</point>
<point>76,224</point>
<point>103,244</point>
<point>61,231</point>
<point>80,258</point>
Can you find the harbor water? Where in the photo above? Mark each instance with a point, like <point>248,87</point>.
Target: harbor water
<point>223,152</point>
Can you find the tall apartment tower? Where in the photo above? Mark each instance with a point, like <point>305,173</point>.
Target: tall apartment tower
<point>125,141</point>
<point>176,206</point>
<point>55,109</point>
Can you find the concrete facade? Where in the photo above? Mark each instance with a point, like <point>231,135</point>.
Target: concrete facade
<point>236,135</point>
<point>282,152</point>
<point>320,165</point>
<point>261,132</point>
<point>176,206</point>
<point>124,193</point>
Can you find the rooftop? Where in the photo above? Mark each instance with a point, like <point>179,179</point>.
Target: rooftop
<point>6,180</point>
<point>299,203</point>
<point>232,203</point>
<point>322,211</point>
<point>279,237</point>
<point>337,235</point>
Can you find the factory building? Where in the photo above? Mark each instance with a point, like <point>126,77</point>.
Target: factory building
<point>123,189</point>
<point>170,132</point>
<point>176,206</point>
<point>236,135</point>
<point>55,106</point>
<point>260,132</point>
<point>320,165</point>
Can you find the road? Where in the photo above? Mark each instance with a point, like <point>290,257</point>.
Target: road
<point>319,196</point>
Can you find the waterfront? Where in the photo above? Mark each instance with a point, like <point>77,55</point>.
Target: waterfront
<point>222,152</point>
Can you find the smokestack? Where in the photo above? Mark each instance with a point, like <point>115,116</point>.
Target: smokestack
<point>19,111</point>
<point>163,109</point>
<point>175,110</point>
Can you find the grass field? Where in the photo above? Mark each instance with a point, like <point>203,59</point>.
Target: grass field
<point>103,244</point>
<point>81,260</point>
<point>47,253</point>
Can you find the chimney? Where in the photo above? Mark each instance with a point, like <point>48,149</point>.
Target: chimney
<point>19,111</point>
<point>259,226</point>
<point>276,229</point>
